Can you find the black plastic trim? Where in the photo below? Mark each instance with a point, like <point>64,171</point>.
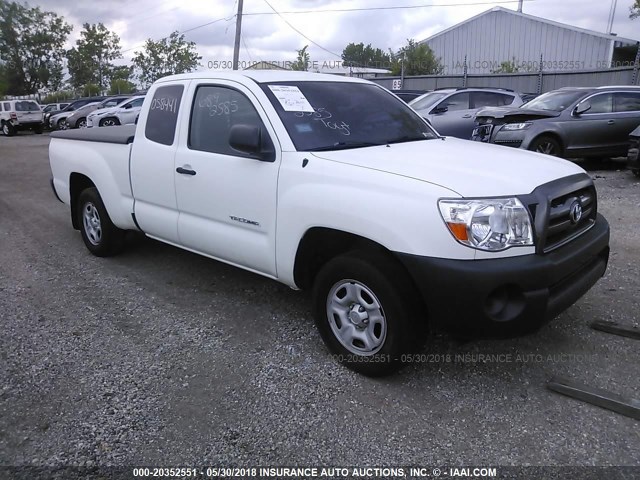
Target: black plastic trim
<point>54,190</point>
<point>461,293</point>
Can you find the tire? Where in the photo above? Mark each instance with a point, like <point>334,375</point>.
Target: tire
<point>109,122</point>
<point>100,235</point>
<point>351,289</point>
<point>62,124</point>
<point>8,130</point>
<point>547,145</point>
<point>81,123</point>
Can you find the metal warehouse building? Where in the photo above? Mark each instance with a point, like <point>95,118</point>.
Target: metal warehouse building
<point>500,35</point>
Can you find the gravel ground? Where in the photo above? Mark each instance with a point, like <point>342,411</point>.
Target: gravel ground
<point>161,357</point>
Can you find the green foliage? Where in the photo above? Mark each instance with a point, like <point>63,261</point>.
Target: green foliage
<point>302,61</point>
<point>90,61</point>
<point>509,66</point>
<point>169,56</point>
<point>4,84</point>
<point>91,90</point>
<point>634,10</point>
<point>31,47</point>
<point>58,97</point>
<point>359,55</point>
<point>418,59</point>
<point>119,86</point>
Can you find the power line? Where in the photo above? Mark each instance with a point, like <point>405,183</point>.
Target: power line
<point>294,28</point>
<point>398,7</point>
<point>184,31</point>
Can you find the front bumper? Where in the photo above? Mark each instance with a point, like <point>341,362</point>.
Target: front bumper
<point>511,295</point>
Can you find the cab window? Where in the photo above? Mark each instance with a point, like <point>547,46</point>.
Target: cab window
<point>217,109</point>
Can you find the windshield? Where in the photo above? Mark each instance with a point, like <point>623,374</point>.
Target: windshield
<point>340,115</point>
<point>556,101</point>
<point>26,106</point>
<point>427,100</point>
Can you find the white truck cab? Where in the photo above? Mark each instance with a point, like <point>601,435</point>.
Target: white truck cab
<point>337,186</point>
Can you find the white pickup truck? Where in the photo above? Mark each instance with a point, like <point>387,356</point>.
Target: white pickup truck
<point>337,186</point>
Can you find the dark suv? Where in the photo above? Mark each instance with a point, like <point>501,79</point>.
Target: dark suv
<point>452,111</point>
<point>570,122</point>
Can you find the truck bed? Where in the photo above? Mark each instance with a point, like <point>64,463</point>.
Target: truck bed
<point>122,134</point>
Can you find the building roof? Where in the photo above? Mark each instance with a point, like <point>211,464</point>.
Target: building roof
<point>535,19</point>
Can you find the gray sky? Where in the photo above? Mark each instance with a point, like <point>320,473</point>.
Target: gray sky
<point>269,38</point>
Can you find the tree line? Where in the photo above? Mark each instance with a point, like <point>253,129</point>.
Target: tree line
<point>33,55</point>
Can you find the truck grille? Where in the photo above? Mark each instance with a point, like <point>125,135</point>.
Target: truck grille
<point>562,210</point>
<point>570,216</point>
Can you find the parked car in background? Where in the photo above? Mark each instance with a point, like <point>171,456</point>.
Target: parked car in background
<point>634,152</point>
<point>78,119</point>
<point>452,111</point>
<point>16,115</point>
<point>55,120</point>
<point>571,122</point>
<point>124,113</point>
<point>53,107</point>
<point>408,95</point>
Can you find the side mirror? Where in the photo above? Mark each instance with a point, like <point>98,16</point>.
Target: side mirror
<point>582,108</point>
<point>248,139</point>
<point>440,109</point>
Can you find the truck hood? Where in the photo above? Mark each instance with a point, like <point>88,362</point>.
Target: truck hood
<point>514,114</point>
<point>470,169</point>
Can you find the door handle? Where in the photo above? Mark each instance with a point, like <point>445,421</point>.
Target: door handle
<point>611,122</point>
<point>185,171</point>
<point>468,115</point>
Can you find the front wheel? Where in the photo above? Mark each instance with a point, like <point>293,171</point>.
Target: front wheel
<point>109,122</point>
<point>99,234</point>
<point>81,123</point>
<point>62,124</point>
<point>367,312</point>
<point>546,145</point>
<point>8,130</point>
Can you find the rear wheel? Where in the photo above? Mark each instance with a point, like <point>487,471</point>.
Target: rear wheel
<point>367,312</point>
<point>8,129</point>
<point>109,122</point>
<point>99,234</point>
<point>547,145</point>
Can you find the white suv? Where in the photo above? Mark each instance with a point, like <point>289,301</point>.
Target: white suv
<point>18,115</point>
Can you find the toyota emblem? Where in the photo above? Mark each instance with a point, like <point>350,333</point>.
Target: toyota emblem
<point>575,212</point>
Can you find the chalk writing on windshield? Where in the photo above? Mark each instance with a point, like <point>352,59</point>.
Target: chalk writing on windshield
<point>322,115</point>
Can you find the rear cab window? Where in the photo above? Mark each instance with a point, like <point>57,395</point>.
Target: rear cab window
<point>163,114</point>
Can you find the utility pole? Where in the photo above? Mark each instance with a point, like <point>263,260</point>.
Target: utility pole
<point>612,15</point>
<point>236,47</point>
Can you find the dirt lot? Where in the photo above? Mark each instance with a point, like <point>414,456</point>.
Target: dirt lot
<point>159,356</point>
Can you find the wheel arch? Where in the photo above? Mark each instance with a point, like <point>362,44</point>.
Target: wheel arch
<point>77,183</point>
<point>551,134</point>
<point>320,244</point>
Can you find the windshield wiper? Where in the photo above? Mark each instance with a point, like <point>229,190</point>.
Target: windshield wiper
<point>408,138</point>
<point>344,146</point>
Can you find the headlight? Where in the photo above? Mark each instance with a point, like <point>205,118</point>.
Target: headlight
<point>488,224</point>
<point>510,127</point>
